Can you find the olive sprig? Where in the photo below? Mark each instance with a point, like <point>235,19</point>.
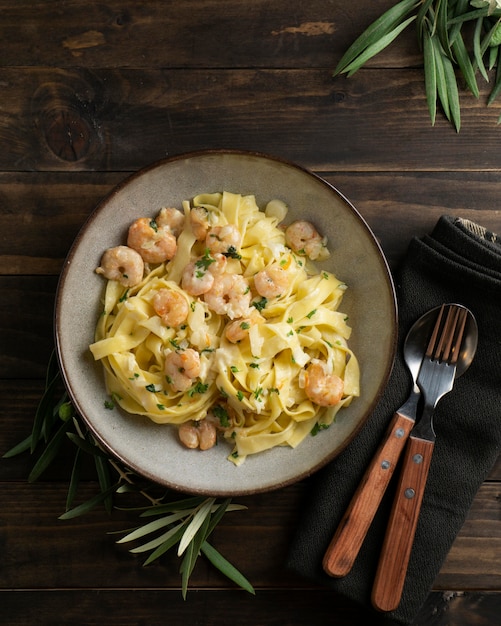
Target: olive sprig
<point>456,37</point>
<point>187,522</point>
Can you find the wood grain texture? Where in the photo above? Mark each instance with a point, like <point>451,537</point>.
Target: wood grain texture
<point>92,92</point>
<point>100,119</point>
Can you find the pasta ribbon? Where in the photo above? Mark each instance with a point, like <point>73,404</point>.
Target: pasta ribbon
<point>259,346</point>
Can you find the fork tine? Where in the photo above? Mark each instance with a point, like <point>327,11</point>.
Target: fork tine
<point>445,341</point>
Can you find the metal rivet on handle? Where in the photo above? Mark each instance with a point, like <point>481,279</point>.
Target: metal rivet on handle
<point>409,493</point>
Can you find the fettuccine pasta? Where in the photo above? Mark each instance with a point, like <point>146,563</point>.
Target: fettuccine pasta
<point>216,319</point>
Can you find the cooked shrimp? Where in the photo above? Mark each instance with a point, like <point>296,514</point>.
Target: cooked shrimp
<point>230,295</point>
<point>122,264</point>
<point>199,221</point>
<point>154,243</point>
<point>321,387</point>
<point>173,218</point>
<point>198,276</point>
<point>182,368</point>
<point>171,306</point>
<point>198,434</point>
<point>271,282</point>
<point>239,329</point>
<point>304,239</point>
<point>224,239</point>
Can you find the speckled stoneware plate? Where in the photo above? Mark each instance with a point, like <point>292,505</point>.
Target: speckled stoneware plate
<point>154,450</point>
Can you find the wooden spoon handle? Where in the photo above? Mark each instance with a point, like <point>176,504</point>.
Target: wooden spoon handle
<point>395,554</point>
<point>351,532</point>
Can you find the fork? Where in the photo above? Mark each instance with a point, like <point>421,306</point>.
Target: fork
<point>436,378</point>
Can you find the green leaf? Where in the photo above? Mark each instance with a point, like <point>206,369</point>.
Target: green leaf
<point>442,30</point>
<point>19,448</point>
<point>497,82</point>
<point>166,545</point>
<point>441,80</point>
<point>195,524</point>
<point>44,414</point>
<point>74,479</point>
<point>152,527</point>
<point>422,18</point>
<point>378,29</point>
<point>187,565</point>
<point>465,65</point>
<point>87,446</point>
<point>158,541</point>
<point>88,505</point>
<point>186,503</point>
<point>225,567</point>
<point>377,47</point>
<point>477,48</point>
<point>103,475</point>
<point>49,453</point>
<point>452,91</point>
<point>430,75</point>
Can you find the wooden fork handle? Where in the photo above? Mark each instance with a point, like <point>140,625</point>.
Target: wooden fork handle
<point>397,545</point>
<point>351,532</point>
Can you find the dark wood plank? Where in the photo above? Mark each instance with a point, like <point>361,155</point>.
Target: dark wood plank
<point>56,205</point>
<point>211,608</point>
<point>68,551</point>
<point>78,119</point>
<point>229,33</point>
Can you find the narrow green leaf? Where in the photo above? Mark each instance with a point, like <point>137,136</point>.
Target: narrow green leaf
<point>195,524</point>
<point>158,541</point>
<point>43,414</point>
<point>186,503</point>
<point>88,505</point>
<point>493,55</point>
<point>192,553</point>
<point>468,17</point>
<point>442,30</point>
<point>218,514</point>
<point>166,545</point>
<point>377,47</point>
<point>87,446</point>
<point>187,565</point>
<point>422,18</point>
<point>440,74</point>
<point>152,527</point>
<point>465,65</point>
<point>19,448</point>
<point>477,48</point>
<point>430,75</point>
<point>378,29</point>
<point>452,91</point>
<point>497,82</point>
<point>49,453</point>
<point>74,479</point>
<point>103,475</point>
<point>226,568</point>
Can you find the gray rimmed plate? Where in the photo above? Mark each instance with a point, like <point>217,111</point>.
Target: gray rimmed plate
<point>153,450</point>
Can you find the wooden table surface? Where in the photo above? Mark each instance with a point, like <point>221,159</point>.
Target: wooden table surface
<point>91,92</point>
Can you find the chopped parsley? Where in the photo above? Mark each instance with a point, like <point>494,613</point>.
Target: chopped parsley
<point>222,415</point>
<point>204,262</point>
<point>232,253</point>
<point>151,388</point>
<point>125,294</point>
<point>260,304</point>
<point>198,387</point>
<point>317,428</point>
<point>311,314</point>
<point>153,225</point>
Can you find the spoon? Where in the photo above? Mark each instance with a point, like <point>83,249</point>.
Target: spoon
<point>445,350</point>
<point>350,534</point>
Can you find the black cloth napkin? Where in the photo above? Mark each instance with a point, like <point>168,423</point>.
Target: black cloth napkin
<point>460,262</point>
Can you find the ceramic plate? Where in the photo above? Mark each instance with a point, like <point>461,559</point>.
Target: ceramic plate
<point>154,450</point>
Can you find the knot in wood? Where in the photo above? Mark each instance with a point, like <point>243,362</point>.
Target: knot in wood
<point>68,135</point>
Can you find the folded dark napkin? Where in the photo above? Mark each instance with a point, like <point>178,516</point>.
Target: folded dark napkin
<point>459,262</point>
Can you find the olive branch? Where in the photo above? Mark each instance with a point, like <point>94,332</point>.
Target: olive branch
<point>187,522</point>
<point>456,37</point>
